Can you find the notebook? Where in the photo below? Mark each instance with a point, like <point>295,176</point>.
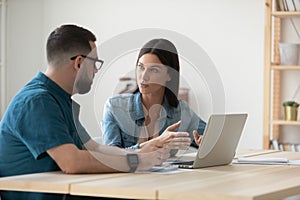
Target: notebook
<point>219,142</point>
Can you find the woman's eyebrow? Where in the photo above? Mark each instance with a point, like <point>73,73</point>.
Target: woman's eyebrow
<point>158,65</point>
<point>151,65</point>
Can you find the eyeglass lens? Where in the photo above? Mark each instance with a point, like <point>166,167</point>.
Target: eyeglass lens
<point>98,64</point>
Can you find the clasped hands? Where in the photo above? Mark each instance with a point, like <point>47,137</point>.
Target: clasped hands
<point>170,140</point>
<point>157,150</point>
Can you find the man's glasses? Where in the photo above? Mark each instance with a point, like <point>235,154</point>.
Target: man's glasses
<point>98,63</point>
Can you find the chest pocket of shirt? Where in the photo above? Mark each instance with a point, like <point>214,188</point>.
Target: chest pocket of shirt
<point>130,137</point>
<point>128,140</point>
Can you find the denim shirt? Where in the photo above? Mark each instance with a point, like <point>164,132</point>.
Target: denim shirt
<point>123,119</point>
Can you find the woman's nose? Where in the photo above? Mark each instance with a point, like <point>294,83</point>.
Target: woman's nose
<point>145,75</point>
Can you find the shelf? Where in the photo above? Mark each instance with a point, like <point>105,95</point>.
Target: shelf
<point>276,31</point>
<point>284,122</point>
<point>285,67</point>
<point>281,14</point>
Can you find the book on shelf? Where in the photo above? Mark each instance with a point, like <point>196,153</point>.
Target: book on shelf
<point>285,5</point>
<point>281,147</point>
<point>297,5</point>
<point>280,5</point>
<point>275,144</point>
<point>290,5</point>
<point>284,147</point>
<point>294,147</point>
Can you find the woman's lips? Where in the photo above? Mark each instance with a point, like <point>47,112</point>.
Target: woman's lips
<point>144,85</point>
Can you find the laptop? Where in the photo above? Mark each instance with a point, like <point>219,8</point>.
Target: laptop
<point>219,142</point>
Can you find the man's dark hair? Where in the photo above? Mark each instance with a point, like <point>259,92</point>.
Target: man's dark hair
<point>167,54</point>
<point>67,41</point>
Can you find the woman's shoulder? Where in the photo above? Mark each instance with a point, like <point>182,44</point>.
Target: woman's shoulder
<point>183,104</point>
<point>184,108</point>
<point>120,99</point>
<point>120,106</point>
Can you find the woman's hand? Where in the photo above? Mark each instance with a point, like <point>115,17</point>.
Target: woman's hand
<point>174,140</point>
<point>197,137</point>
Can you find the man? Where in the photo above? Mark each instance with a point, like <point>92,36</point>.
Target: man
<point>38,133</point>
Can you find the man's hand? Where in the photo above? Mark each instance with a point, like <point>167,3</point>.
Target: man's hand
<point>150,159</point>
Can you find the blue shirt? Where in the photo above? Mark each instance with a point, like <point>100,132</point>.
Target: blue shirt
<point>38,118</point>
<point>124,117</point>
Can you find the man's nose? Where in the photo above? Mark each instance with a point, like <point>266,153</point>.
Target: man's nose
<point>95,70</point>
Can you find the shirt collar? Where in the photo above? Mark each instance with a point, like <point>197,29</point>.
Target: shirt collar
<point>136,108</point>
<point>43,78</point>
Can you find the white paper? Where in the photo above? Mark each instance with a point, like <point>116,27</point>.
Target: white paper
<point>266,161</point>
<point>163,169</point>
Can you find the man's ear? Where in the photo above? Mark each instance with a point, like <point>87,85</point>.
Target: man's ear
<point>77,62</point>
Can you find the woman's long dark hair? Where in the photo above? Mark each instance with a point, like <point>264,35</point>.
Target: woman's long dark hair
<point>167,54</point>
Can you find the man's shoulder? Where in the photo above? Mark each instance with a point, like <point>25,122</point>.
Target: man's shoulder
<point>31,93</point>
<point>31,97</point>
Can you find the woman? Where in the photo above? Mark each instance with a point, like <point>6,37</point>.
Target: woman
<point>132,120</point>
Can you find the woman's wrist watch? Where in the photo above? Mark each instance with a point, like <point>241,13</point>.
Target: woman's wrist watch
<point>133,161</point>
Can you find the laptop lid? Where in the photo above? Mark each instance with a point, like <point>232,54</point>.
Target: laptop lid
<point>220,140</point>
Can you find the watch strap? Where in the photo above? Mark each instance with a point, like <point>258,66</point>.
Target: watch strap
<point>133,161</point>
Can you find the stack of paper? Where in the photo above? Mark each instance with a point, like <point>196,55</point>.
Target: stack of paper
<point>266,161</point>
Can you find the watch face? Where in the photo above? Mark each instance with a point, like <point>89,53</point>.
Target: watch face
<point>133,159</point>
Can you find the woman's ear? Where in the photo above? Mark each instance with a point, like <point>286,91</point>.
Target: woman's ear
<point>169,77</point>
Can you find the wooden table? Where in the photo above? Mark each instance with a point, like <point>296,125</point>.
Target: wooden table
<point>49,182</point>
<point>236,181</point>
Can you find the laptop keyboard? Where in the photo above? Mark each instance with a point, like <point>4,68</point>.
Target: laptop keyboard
<point>182,162</point>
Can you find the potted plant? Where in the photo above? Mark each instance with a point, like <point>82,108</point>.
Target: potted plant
<point>290,110</point>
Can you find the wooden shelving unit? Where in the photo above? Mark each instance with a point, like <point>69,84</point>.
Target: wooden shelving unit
<point>273,72</point>
<point>284,122</point>
<point>282,14</point>
<point>284,67</point>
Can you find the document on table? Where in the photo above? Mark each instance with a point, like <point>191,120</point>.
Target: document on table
<point>266,161</point>
<point>166,168</point>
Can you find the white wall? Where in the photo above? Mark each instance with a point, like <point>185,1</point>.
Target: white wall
<point>231,32</point>
<point>25,43</point>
